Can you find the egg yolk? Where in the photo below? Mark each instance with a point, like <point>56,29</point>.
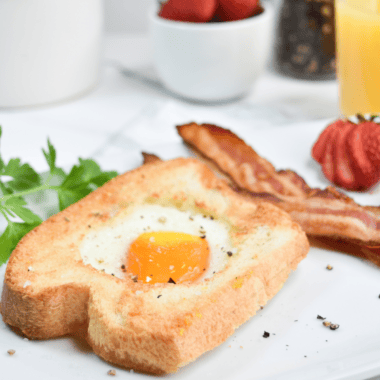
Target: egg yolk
<point>159,257</point>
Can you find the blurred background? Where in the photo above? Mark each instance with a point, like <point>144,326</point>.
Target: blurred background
<point>127,15</point>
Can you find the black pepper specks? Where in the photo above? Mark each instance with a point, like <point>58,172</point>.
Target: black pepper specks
<point>160,295</point>
<point>319,317</point>
<point>334,326</point>
<point>171,281</point>
<point>266,334</point>
<point>229,253</point>
<point>203,237</point>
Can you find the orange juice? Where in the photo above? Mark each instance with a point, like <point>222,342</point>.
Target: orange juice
<point>358,55</point>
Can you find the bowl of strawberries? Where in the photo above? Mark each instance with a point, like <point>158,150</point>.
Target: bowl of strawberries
<point>211,50</point>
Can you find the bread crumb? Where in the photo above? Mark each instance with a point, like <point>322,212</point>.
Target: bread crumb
<point>11,352</point>
<point>329,267</point>
<point>111,372</point>
<point>27,283</point>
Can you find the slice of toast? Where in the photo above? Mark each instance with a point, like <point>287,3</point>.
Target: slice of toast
<point>51,290</point>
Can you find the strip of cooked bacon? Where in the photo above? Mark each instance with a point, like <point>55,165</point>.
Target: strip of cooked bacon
<point>150,157</point>
<point>322,213</point>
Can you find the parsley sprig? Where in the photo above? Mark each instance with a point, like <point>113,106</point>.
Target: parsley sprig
<point>19,182</point>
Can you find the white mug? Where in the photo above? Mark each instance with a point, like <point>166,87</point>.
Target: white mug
<point>212,61</point>
<point>49,50</point>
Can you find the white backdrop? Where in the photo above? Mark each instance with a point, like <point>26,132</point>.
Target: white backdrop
<point>127,15</point>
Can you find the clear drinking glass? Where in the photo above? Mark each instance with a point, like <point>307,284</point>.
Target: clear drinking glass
<point>358,59</point>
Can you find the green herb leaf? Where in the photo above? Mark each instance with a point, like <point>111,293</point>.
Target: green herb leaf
<point>79,182</point>
<point>11,236</point>
<point>102,178</point>
<point>24,177</point>
<point>67,197</point>
<point>5,189</point>
<point>83,173</point>
<point>15,205</point>
<point>50,156</point>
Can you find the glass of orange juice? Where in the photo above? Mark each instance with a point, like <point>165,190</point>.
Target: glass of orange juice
<point>358,56</point>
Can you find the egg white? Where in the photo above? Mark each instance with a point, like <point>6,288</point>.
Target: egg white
<point>106,248</point>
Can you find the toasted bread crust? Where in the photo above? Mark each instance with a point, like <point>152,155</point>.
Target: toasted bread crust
<point>128,324</point>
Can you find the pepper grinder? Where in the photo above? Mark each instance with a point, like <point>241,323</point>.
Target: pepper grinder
<point>305,39</point>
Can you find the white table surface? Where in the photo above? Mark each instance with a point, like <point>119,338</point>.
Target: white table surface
<point>105,124</point>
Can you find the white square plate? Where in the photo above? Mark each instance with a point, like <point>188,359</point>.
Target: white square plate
<point>299,346</point>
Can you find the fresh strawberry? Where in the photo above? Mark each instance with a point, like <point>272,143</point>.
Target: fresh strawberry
<point>324,138</point>
<point>231,10</point>
<point>189,10</point>
<point>366,174</point>
<point>350,153</point>
<point>344,174</point>
<point>371,141</point>
<point>328,166</point>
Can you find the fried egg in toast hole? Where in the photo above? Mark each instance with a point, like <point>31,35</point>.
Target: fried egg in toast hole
<point>150,327</point>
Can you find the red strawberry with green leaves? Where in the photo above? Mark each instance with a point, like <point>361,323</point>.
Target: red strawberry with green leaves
<point>350,153</point>
<point>232,10</point>
<point>188,10</point>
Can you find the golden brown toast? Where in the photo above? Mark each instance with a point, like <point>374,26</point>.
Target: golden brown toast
<point>55,283</point>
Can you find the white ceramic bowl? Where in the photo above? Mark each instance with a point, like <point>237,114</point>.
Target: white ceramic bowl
<point>49,50</point>
<point>211,61</point>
